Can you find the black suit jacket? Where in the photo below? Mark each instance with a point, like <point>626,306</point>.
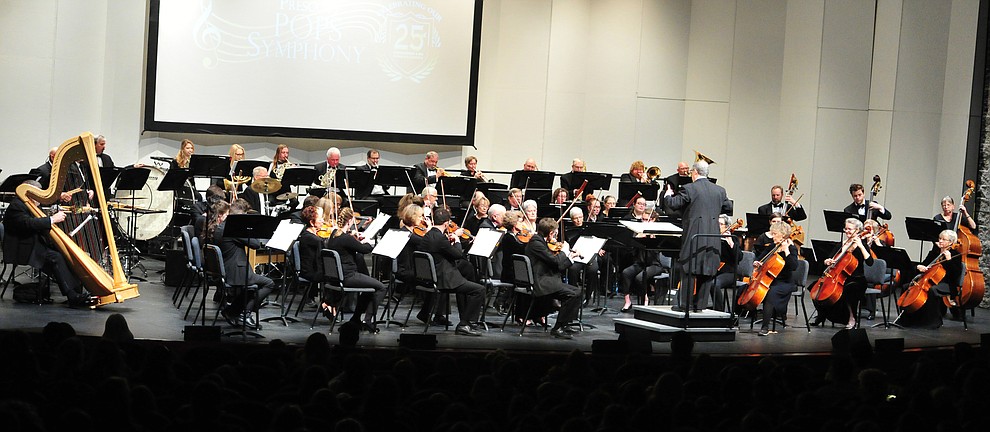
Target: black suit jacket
<point>365,191</point>
<point>445,256</point>
<point>795,213</point>
<point>421,177</point>
<point>854,209</point>
<point>44,174</point>
<point>347,247</point>
<point>701,202</point>
<point>547,267</point>
<point>252,198</point>
<point>23,242</point>
<point>235,260</point>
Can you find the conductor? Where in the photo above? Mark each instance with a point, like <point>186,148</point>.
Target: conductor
<point>701,202</point>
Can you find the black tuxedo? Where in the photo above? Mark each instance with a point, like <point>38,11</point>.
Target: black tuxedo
<point>422,176</point>
<point>796,213</point>
<point>547,270</point>
<point>26,242</point>
<point>860,210</point>
<point>235,265</point>
<point>471,295</point>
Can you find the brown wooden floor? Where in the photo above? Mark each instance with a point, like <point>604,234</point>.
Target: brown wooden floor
<point>152,316</point>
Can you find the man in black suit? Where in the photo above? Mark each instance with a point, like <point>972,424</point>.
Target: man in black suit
<point>426,171</point>
<point>254,198</point>
<point>547,270</point>
<point>235,264</point>
<point>567,180</point>
<point>782,204</point>
<point>370,165</point>
<point>332,162</point>
<point>26,240</point>
<point>674,184</point>
<point>860,204</point>
<point>701,202</point>
<point>45,170</point>
<point>470,295</point>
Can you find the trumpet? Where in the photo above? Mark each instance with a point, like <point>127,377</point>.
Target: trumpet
<point>441,172</point>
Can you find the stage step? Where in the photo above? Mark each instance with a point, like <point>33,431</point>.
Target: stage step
<point>659,323</point>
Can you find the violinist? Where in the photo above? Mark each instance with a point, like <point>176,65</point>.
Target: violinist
<point>780,204</point>
<point>729,254</point>
<point>479,217</point>
<point>515,199</point>
<point>854,285</point>
<point>529,213</point>
<point>607,203</point>
<point>930,314</point>
<point>548,268</point>
<point>429,195</point>
<point>860,204</point>
<point>447,253</point>
<point>948,215</point>
<point>588,271</point>
<point>560,197</point>
<point>636,174</point>
<point>779,294</point>
<point>568,182</point>
<point>650,262</point>
<point>594,208</point>
<point>511,222</point>
<point>351,249</point>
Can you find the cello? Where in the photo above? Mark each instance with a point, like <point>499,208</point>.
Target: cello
<point>916,294</point>
<point>828,288</point>
<point>973,287</point>
<point>763,276</point>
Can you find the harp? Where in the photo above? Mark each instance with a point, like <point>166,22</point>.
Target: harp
<point>107,287</point>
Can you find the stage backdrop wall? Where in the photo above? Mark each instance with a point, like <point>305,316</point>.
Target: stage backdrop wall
<point>833,91</point>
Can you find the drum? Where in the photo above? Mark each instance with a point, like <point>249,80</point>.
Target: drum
<point>149,198</point>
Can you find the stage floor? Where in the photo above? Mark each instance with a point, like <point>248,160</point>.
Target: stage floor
<point>153,316</point>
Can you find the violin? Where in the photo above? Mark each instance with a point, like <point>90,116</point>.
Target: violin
<point>555,247</point>
<point>735,225</point>
<point>763,277</point>
<point>421,229</point>
<point>828,288</point>
<point>465,234</point>
<point>524,235</point>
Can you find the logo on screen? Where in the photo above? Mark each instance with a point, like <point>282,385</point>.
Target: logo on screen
<point>411,42</point>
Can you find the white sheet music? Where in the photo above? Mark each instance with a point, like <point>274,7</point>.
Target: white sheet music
<point>485,242</point>
<point>587,247</point>
<point>652,227</point>
<point>392,243</point>
<point>286,233</point>
<point>376,225</point>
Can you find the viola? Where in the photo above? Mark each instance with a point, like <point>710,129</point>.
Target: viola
<point>974,286</point>
<point>828,289</point>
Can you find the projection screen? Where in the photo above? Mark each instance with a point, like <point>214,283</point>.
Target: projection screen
<point>374,70</point>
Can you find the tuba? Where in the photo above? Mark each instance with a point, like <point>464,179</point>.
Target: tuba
<point>699,156</point>
<point>108,288</point>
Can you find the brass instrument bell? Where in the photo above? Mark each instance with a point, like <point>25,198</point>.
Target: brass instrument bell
<point>653,173</point>
<point>699,156</point>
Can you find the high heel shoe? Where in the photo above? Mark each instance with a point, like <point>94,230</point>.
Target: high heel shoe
<point>626,308</point>
<point>328,311</point>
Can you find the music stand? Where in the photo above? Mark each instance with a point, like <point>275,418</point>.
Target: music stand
<point>627,190</point>
<point>896,258</point>
<point>824,249</point>
<point>245,167</point>
<point>10,184</point>
<point>541,196</point>
<point>617,213</point>
<point>757,224</point>
<point>835,221</point>
<point>532,179</point>
<point>923,229</point>
<point>209,165</point>
<point>365,207</point>
<point>297,176</point>
<point>462,187</point>
<point>596,181</point>
<point>132,179</point>
<point>358,180</point>
<point>390,176</point>
<point>250,227</point>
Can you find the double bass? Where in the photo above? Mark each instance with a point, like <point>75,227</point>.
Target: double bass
<point>828,289</point>
<point>885,236</point>
<point>973,287</point>
<point>763,276</point>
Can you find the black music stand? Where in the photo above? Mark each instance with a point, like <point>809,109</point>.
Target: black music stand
<point>132,179</point>
<point>596,181</point>
<point>10,184</point>
<point>835,221</point>
<point>617,213</point>
<point>522,179</point>
<point>297,176</point>
<point>462,187</point>
<point>824,249</point>
<point>390,204</point>
<point>209,165</point>
<point>541,196</point>
<point>757,224</point>
<point>245,167</point>
<point>923,229</point>
<point>250,227</point>
<point>366,207</point>
<point>390,176</point>
<point>618,237</point>
<point>358,180</point>
<point>173,181</point>
<point>627,190</point>
<point>497,193</point>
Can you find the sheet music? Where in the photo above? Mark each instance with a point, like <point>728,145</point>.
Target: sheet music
<point>485,242</point>
<point>652,227</point>
<point>376,225</point>
<point>286,233</point>
<point>587,247</point>
<point>392,243</point>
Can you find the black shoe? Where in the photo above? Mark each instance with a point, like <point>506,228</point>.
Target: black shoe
<point>424,317</point>
<point>677,308</point>
<point>231,318</point>
<point>560,334</point>
<point>83,302</point>
<point>764,332</point>
<point>870,317</point>
<point>570,330</point>
<point>466,331</point>
<point>370,328</point>
<point>441,320</point>
<point>248,319</point>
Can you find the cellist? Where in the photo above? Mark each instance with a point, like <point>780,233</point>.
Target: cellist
<point>854,285</point>
<point>930,314</point>
<point>775,302</point>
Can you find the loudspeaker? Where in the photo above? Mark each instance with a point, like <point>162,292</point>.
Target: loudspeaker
<point>418,341</point>
<point>201,334</point>
<point>890,345</point>
<point>175,267</point>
